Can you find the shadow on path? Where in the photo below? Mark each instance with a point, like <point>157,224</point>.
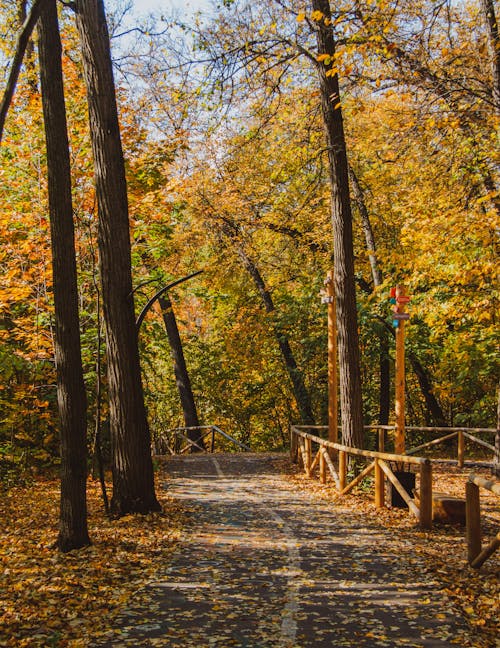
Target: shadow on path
<point>264,564</point>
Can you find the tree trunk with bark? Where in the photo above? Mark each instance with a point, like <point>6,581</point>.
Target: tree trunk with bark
<point>133,483</point>
<point>182,379</point>
<point>345,290</point>
<point>71,395</point>
<point>302,397</point>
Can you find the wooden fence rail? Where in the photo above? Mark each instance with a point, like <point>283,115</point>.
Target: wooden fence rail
<point>475,553</point>
<point>302,444</point>
<point>171,440</point>
<point>461,433</point>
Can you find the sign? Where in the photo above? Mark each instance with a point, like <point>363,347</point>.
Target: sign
<point>403,299</point>
<point>401,316</point>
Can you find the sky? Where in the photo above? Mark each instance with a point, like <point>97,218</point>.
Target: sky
<point>144,6</point>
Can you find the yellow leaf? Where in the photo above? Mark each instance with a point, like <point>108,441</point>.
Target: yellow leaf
<point>301,17</point>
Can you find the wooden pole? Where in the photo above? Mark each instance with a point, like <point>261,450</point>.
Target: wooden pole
<point>473,521</point>
<point>379,486</point>
<point>399,447</point>
<point>332,361</point>
<point>426,495</point>
<point>342,470</point>
<point>308,457</point>
<point>461,449</point>
<point>322,467</point>
<point>381,440</point>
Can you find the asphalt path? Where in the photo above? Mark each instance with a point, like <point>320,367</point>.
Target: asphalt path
<point>264,563</point>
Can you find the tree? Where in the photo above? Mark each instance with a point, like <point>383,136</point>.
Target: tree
<point>133,483</point>
<point>345,291</point>
<point>180,369</point>
<point>71,395</point>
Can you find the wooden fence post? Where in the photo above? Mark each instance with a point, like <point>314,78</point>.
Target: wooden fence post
<point>294,446</point>
<point>426,495</point>
<point>322,467</point>
<point>461,448</point>
<point>308,459</point>
<point>381,440</point>
<point>379,486</point>
<point>473,520</point>
<point>342,470</point>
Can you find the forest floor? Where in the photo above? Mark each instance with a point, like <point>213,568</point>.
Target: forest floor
<point>249,553</point>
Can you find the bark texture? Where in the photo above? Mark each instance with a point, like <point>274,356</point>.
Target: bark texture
<point>345,291</point>
<point>133,485</point>
<point>182,379</point>
<point>71,395</point>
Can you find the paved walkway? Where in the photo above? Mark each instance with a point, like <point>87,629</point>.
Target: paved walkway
<point>263,564</point>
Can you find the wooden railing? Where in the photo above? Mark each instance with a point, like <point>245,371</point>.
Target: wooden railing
<point>460,433</point>
<point>302,444</point>
<point>475,553</point>
<point>176,441</point>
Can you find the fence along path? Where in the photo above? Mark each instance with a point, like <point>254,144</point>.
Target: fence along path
<point>265,564</point>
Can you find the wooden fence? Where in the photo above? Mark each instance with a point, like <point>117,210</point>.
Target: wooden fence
<point>176,441</point>
<point>302,444</point>
<point>460,433</point>
<point>475,553</point>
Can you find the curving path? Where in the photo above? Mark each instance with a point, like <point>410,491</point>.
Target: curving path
<point>264,564</point>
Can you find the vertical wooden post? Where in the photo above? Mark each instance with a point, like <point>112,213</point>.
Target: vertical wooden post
<point>381,440</point>
<point>308,445</point>
<point>212,441</point>
<point>399,446</point>
<point>342,470</point>
<point>322,467</point>
<point>379,486</point>
<point>426,495</point>
<point>473,520</point>
<point>332,361</point>
<point>294,445</point>
<point>461,449</point>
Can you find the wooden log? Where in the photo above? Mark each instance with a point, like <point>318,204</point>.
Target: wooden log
<point>331,467</point>
<point>473,519</point>
<point>381,440</point>
<point>307,466</point>
<point>379,485</point>
<point>479,441</point>
<point>315,462</point>
<point>460,449</point>
<point>492,484</point>
<point>302,453</point>
<point>431,443</point>
<point>322,466</point>
<point>398,486</point>
<point>342,470</point>
<point>447,508</point>
<point>358,479</point>
<point>486,552</point>
<point>426,496</point>
<point>363,453</point>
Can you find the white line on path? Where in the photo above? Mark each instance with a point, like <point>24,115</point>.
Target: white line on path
<point>289,612</point>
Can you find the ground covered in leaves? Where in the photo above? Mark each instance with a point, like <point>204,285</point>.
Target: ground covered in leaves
<point>444,549</point>
<point>249,552</point>
<point>52,599</point>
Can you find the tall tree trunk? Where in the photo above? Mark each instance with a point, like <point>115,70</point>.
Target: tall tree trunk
<point>180,370</point>
<point>384,364</point>
<point>71,395</point>
<point>345,291</point>
<point>300,391</point>
<point>133,483</point>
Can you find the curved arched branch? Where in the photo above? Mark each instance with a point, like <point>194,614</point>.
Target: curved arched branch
<point>159,294</point>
